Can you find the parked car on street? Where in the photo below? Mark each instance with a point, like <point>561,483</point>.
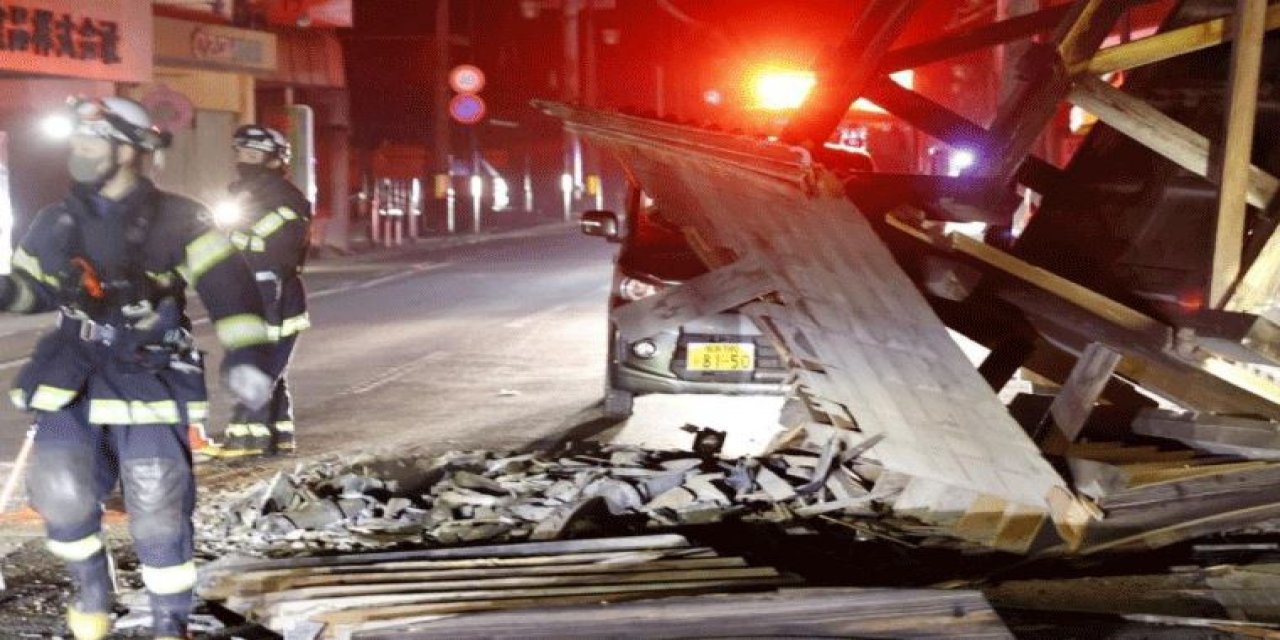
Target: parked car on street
<point>723,353</point>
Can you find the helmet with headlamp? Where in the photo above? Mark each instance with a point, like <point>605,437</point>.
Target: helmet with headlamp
<point>117,119</point>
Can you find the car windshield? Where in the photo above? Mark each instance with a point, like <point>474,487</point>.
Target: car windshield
<point>657,248</point>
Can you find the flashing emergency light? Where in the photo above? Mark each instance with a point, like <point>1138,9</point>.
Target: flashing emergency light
<point>780,89</point>
<point>57,126</point>
<point>960,160</point>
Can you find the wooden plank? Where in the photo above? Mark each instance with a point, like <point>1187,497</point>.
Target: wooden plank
<point>845,70</point>
<point>1074,402</point>
<point>220,586</point>
<point>280,614</point>
<point>1032,104</point>
<point>1226,435</point>
<point>1258,290</point>
<point>1076,294</point>
<point>284,583</point>
<point>336,593</point>
<point>515,550</point>
<point>790,613</point>
<point>710,293</point>
<point>1160,133</point>
<point>1169,44</point>
<point>1232,171</point>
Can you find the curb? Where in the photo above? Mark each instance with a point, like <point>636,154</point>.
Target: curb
<point>443,242</point>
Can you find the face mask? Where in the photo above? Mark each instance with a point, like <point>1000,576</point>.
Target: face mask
<point>249,170</point>
<point>89,171</point>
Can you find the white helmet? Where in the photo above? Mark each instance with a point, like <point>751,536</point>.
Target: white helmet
<point>118,119</point>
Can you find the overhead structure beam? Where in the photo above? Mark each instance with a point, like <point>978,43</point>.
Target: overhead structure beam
<point>1162,134</point>
<point>840,83</point>
<point>1169,44</point>
<point>1023,117</point>
<point>1234,163</point>
<point>976,39</point>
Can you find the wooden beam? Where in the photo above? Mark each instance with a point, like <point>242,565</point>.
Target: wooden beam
<point>1074,402</point>
<point>844,73</point>
<point>1233,170</point>
<point>951,45</point>
<point>1169,44</point>
<point>1077,294</point>
<point>710,293</point>
<point>952,128</point>
<point>1030,107</point>
<point>1160,133</point>
<point>1258,290</point>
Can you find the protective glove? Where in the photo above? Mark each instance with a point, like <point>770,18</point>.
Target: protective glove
<point>250,386</point>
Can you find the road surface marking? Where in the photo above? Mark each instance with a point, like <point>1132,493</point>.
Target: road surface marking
<point>421,267</point>
<point>394,373</point>
<point>520,323</point>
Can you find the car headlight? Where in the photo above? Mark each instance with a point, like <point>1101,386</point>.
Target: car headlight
<point>226,213</point>
<point>632,289</point>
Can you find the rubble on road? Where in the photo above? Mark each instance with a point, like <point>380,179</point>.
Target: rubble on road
<point>473,496</point>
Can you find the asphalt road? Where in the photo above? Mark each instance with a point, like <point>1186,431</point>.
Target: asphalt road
<point>493,344</point>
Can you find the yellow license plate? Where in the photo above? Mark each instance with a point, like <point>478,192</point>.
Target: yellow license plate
<point>722,356</point>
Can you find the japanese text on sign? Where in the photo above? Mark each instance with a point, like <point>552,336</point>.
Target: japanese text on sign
<point>62,35</point>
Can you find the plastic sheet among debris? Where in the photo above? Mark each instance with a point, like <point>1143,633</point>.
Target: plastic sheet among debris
<point>474,496</point>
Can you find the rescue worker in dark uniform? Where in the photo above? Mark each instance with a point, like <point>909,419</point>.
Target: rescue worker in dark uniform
<point>115,385</point>
<point>273,232</point>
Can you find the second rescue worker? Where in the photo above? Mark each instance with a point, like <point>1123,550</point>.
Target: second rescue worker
<point>273,233</point>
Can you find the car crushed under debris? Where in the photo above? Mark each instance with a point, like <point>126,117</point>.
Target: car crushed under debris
<point>721,353</point>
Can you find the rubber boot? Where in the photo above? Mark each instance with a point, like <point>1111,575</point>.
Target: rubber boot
<point>89,614</point>
<point>169,614</point>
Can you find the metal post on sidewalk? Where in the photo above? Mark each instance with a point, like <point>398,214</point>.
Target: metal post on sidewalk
<point>451,208</point>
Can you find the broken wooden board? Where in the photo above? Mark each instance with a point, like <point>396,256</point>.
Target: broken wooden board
<point>846,306</point>
<point>708,294</point>
<point>1157,503</point>
<point>1248,438</point>
<point>826,613</point>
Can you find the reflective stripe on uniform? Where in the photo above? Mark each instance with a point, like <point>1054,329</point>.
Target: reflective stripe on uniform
<point>169,580</point>
<point>164,279</point>
<point>24,299</point>
<point>205,252</point>
<point>257,244</point>
<point>29,264</point>
<point>269,224</point>
<point>112,411</point>
<point>285,426</point>
<point>19,398</point>
<point>296,324</point>
<point>50,398</point>
<point>76,550</point>
<point>287,213</point>
<point>258,429</point>
<point>197,411</point>
<point>241,330</point>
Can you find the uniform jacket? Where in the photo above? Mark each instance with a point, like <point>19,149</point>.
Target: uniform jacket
<point>168,243</point>
<point>274,238</point>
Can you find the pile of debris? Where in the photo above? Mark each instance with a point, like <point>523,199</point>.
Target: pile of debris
<point>474,496</point>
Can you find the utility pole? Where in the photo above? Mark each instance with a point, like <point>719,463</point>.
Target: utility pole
<point>572,95</point>
<point>440,128</point>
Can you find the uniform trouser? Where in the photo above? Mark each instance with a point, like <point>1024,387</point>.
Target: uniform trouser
<point>276,417</point>
<point>74,468</point>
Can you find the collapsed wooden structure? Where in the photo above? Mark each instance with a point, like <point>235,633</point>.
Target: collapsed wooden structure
<point>574,589</point>
<point>1152,263</point>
